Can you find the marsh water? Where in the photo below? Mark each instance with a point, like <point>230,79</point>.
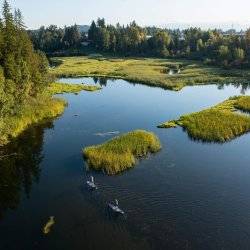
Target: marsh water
<point>190,195</point>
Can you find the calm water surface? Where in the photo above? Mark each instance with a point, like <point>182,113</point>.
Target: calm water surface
<point>191,195</point>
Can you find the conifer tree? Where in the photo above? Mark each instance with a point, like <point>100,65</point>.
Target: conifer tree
<point>23,72</point>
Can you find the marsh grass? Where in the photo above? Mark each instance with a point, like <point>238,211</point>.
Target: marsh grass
<point>120,153</point>
<point>243,104</point>
<point>217,124</point>
<point>60,88</point>
<point>36,110</point>
<point>149,71</point>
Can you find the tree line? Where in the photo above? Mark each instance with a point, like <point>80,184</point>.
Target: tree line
<point>211,46</point>
<point>23,71</point>
<point>54,39</point>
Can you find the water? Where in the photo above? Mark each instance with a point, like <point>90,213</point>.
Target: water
<point>191,195</point>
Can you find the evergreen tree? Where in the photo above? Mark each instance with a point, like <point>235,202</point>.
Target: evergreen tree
<point>23,72</point>
<point>18,17</point>
<point>92,31</point>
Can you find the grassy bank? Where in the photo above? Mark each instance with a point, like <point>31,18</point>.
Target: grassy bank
<point>120,153</point>
<point>39,109</point>
<point>217,124</point>
<point>149,71</point>
<point>36,110</point>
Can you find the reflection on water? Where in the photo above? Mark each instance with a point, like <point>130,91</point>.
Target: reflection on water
<point>242,86</point>
<point>103,81</point>
<point>19,167</point>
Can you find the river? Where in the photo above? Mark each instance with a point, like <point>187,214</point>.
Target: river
<point>190,195</point>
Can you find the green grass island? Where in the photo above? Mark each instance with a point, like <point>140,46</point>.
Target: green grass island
<point>121,152</point>
<point>220,123</point>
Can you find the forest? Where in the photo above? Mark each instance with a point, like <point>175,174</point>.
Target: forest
<point>213,47</point>
<point>23,71</point>
<point>24,79</point>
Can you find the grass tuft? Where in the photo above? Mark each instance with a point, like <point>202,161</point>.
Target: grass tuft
<point>120,153</point>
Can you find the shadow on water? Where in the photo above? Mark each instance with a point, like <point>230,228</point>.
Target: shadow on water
<point>19,166</point>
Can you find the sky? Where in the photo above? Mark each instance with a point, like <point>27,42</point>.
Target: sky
<point>144,12</point>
